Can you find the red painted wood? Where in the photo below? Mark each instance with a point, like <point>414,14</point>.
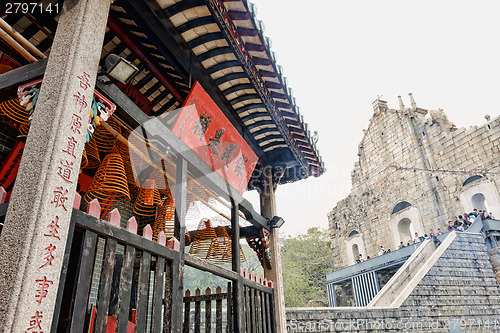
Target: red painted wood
<point>174,244</point>
<point>162,240</point>
<point>114,217</point>
<point>76,203</point>
<point>94,208</point>
<point>3,195</point>
<point>132,225</point>
<point>147,232</point>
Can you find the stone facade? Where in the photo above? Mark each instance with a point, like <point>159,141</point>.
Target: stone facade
<point>459,293</point>
<point>415,171</point>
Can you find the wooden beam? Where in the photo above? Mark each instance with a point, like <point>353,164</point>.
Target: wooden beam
<point>22,74</point>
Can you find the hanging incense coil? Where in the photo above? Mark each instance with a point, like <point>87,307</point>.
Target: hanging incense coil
<point>24,129</point>
<point>124,152</point>
<point>92,153</point>
<point>4,68</point>
<point>161,180</point>
<point>193,211</point>
<point>226,245</point>
<point>110,183</point>
<point>85,160</point>
<point>165,220</point>
<point>14,111</point>
<point>105,141</point>
<point>187,239</point>
<point>205,243</point>
<point>148,199</point>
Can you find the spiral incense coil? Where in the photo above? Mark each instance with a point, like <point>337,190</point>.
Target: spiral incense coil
<point>85,160</point>
<point>193,211</point>
<point>124,152</point>
<point>14,111</point>
<point>148,200</point>
<point>225,244</point>
<point>92,154</point>
<point>4,68</point>
<point>161,180</point>
<point>105,141</point>
<point>110,183</point>
<point>24,129</point>
<point>205,243</point>
<point>187,239</point>
<point>165,220</point>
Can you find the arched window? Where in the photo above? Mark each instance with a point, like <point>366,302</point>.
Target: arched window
<point>400,206</point>
<point>471,179</point>
<point>355,251</point>
<point>478,201</point>
<point>354,232</point>
<point>404,230</point>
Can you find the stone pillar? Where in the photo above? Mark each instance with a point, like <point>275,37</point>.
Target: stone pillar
<point>34,237</point>
<point>268,210</point>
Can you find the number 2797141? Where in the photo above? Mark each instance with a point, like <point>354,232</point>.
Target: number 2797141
<point>32,8</point>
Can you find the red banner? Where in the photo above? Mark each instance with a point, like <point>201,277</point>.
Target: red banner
<point>203,127</point>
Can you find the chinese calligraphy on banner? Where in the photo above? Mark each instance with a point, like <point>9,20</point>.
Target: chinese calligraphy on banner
<point>203,127</point>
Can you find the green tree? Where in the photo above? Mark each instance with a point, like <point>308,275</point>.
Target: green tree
<point>306,259</point>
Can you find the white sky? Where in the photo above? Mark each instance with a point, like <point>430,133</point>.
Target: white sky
<point>339,55</point>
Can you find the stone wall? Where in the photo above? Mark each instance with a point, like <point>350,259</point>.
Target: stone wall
<point>459,291</point>
<point>419,157</point>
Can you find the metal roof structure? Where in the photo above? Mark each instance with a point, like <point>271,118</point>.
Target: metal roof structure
<point>222,45</point>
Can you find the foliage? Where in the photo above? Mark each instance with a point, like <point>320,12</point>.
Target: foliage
<point>306,259</point>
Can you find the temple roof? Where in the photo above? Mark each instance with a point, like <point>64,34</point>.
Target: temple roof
<point>221,44</point>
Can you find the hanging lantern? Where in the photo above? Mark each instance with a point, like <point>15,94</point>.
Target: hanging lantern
<point>110,183</point>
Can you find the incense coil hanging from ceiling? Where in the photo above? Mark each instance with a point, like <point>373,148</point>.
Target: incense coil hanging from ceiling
<point>105,141</point>
<point>109,185</point>
<point>205,243</point>
<point>138,163</point>
<point>162,181</point>
<point>123,150</point>
<point>165,220</point>
<point>94,160</point>
<point>197,193</point>
<point>226,245</point>
<point>148,199</point>
<point>5,68</point>
<point>85,160</point>
<point>14,111</point>
<point>187,239</point>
